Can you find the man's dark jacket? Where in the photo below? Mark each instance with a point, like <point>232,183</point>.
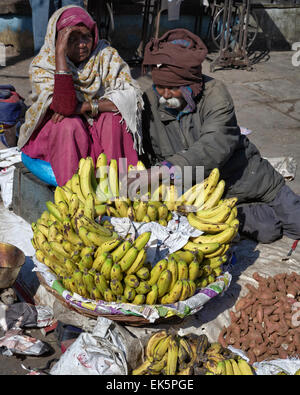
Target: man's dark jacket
<point>210,137</point>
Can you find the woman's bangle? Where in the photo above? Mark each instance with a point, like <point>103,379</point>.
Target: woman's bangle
<point>94,108</point>
<point>63,72</point>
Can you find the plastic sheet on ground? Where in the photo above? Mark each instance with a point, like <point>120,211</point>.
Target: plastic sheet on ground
<point>108,350</point>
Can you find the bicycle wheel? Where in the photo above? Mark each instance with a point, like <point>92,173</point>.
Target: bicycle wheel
<point>233,29</point>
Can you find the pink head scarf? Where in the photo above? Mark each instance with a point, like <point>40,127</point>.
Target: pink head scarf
<point>75,15</point>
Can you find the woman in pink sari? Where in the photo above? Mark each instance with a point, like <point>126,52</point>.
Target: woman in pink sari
<point>84,99</point>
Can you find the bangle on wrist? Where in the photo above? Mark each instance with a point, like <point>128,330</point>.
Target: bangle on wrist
<point>94,108</point>
<point>63,72</point>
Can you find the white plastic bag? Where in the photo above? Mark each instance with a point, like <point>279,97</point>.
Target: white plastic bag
<point>6,185</point>
<point>105,351</point>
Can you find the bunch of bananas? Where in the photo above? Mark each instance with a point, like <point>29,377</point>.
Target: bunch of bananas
<point>155,207</point>
<point>170,354</point>
<point>167,354</point>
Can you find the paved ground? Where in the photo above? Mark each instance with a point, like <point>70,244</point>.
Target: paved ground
<point>267,101</point>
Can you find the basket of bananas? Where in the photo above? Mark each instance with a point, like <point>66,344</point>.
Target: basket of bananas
<point>170,354</point>
<point>98,272</point>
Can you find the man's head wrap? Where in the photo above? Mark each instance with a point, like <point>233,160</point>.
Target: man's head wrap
<point>176,59</point>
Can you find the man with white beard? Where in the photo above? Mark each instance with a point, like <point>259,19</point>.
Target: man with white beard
<point>189,121</point>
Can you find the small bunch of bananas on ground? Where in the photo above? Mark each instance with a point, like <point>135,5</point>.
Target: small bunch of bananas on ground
<point>169,354</point>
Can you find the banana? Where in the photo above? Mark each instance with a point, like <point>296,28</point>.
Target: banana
<point>116,272</point>
<point>141,241</point>
<point>82,233</point>
<point>202,282</point>
<point>157,366</point>
<point>108,246</point>
<point>189,195</point>
<point>223,237</point>
<point>213,263</point>
<point>73,204</point>
<point>152,296</point>
<point>142,369</point>
<point>128,259</point>
<point>141,210</point>
<point>67,246</point>
<point>44,229</point>
<point>131,280</point>
<point>70,266</point>
<point>116,287</point>
<point>40,255</point>
<point>172,358</point>
<point>194,270</point>
<point>53,209</point>
<point>161,348</point>
<point>120,250</point>
<point>183,355</point>
<point>152,212</point>
<point>93,226</point>
<point>76,188</point>
<point>131,213</point>
<point>171,197</point>
<point>163,282</point>
<point>153,342</point>
<point>173,295</point>
<point>106,268</point>
<point>221,217</point>
<point>230,202</point>
<point>45,215</point>
<point>101,283</point>
<point>213,212</point>
<point>244,367</point>
<point>100,209</point>
<point>57,247</point>
<point>82,290</point>
<point>207,247</point>
<point>173,267</point>
<point>232,215</point>
<point>185,290</point>
<point>63,208</point>
<point>207,227</point>
<point>89,207</point>
<point>143,273</point>
<point>183,270</point>
<point>235,367</point>
<point>220,251</point>
<point>99,260</point>
<point>212,181</point>
<point>67,193</point>
<point>78,277</point>
<point>228,367</point>
<point>58,195</point>
<point>146,219</point>
<point>130,293</point>
<point>162,212</point>
<point>113,177</point>
<point>143,288</point>
<point>88,280</point>
<point>215,197</point>
<point>112,212</point>
<point>109,296</point>
<point>156,271</point>
<point>102,176</point>
<point>96,294</point>
<point>70,234</point>
<point>86,262</point>
<point>139,299</point>
<point>98,239</point>
<point>187,256</point>
<point>121,207</point>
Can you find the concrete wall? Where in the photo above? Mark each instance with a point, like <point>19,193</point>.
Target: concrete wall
<point>280,26</point>
<point>16,32</point>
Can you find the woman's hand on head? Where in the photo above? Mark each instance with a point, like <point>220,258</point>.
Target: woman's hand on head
<point>62,39</point>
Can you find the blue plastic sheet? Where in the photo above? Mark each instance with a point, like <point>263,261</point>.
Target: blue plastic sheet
<point>40,168</point>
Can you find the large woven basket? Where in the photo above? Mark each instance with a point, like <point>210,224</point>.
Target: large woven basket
<point>130,320</point>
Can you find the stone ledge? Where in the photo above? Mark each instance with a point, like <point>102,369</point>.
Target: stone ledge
<point>17,7</point>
